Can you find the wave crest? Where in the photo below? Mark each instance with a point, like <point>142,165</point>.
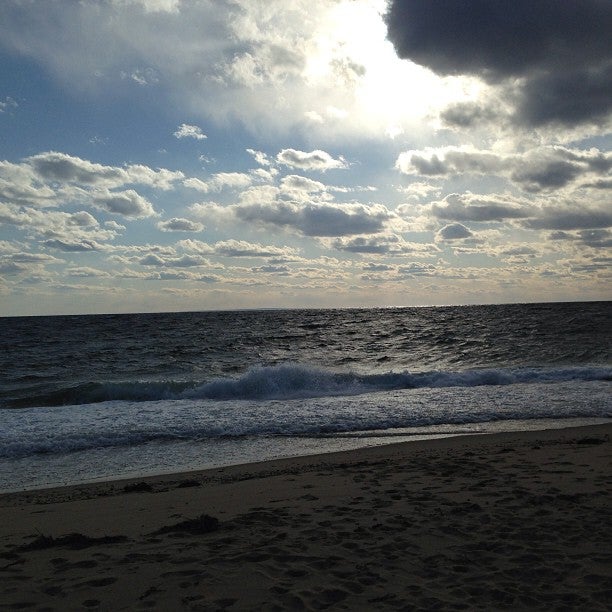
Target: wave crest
<point>292,381</point>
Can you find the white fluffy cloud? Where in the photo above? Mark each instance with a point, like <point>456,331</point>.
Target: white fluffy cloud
<point>312,160</point>
<point>70,228</point>
<point>383,244</point>
<point>178,224</point>
<point>220,181</point>
<point>55,179</point>
<point>190,131</point>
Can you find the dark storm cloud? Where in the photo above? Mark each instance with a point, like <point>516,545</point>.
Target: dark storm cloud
<point>562,50</point>
<point>567,98</point>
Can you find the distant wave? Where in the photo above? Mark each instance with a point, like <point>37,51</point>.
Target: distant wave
<point>293,381</point>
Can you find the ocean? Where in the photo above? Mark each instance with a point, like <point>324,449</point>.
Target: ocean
<point>110,396</point>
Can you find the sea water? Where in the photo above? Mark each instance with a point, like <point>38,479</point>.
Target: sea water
<point>108,396</point>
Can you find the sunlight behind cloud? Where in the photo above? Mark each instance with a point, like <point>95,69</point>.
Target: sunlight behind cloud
<point>381,93</point>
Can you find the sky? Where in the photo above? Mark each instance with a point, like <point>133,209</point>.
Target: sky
<point>171,155</point>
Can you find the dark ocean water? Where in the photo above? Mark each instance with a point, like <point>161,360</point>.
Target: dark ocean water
<point>106,395</point>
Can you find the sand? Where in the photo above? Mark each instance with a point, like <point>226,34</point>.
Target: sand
<point>506,521</point>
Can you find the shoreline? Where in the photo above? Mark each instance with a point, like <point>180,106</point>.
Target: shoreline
<point>308,446</point>
<point>256,469</point>
<point>507,520</point>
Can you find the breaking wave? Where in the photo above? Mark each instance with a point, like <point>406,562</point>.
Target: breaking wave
<point>293,381</point>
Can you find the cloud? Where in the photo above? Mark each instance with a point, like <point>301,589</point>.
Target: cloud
<point>594,238</point>
<point>314,219</point>
<point>482,208</point>
<point>384,244</point>
<point>295,207</point>
<point>260,157</point>
<point>184,261</point>
<point>526,214</point>
<point>269,269</point>
<point>448,161</point>
<point>570,218</point>
<point>558,54</point>
<point>177,224</point>
<point>468,114</point>
<point>113,225</point>
<point>568,98</point>
<point>32,258</point>
<point>74,246</point>
<point>238,248</point>
<point>521,252</point>
<point>220,181</point>
<point>241,248</point>
<point>86,272</point>
<point>66,228</point>
<point>189,131</point>
<point>293,182</point>
<point>314,160</point>
<point>127,203</point>
<point>227,60</point>
<point>151,6</point>
<point>543,168</point>
<point>454,231</point>
<point>416,269</point>
<point>82,219</point>
<point>142,76</point>
<point>54,179</point>
<point>597,239</point>
<point>7,104</point>
<point>20,185</point>
<point>61,167</point>
<point>55,166</point>
<point>11,268</point>
<point>377,267</point>
<point>161,178</point>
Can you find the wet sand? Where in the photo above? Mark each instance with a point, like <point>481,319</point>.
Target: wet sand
<point>505,521</point>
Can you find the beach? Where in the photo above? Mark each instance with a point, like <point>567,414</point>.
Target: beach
<point>500,521</point>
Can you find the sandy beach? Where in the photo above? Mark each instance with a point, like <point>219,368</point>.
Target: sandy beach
<point>504,521</point>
